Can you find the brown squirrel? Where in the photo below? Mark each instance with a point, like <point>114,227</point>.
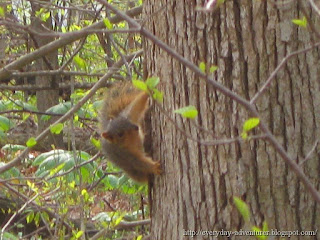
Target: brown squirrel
<point>122,137</point>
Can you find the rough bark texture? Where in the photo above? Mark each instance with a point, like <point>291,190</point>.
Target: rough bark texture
<point>246,40</point>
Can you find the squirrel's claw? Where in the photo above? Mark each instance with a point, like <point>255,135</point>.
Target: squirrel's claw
<point>157,168</point>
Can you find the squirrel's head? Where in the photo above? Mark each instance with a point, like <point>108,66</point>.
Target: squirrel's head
<point>118,128</point>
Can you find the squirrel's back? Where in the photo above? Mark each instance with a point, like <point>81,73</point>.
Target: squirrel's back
<point>117,99</point>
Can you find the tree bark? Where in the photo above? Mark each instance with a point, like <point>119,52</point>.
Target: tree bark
<point>246,40</point>
<point>46,98</point>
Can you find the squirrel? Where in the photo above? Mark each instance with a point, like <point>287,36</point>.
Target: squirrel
<point>122,139</point>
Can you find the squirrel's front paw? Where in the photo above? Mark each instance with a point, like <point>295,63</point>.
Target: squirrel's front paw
<point>157,168</point>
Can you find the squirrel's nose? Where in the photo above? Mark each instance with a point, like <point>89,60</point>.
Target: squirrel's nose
<point>107,136</point>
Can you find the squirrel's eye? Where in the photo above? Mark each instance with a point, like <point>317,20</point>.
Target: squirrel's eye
<point>120,134</point>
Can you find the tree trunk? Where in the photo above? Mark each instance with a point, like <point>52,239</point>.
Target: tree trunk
<point>46,98</point>
<point>246,40</point>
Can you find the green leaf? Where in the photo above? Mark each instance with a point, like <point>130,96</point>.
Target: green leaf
<point>56,129</point>
<point>139,237</point>
<point>25,116</point>
<point>265,226</point>
<point>85,195</point>
<point>72,184</point>
<point>61,108</point>
<point>57,169</point>
<point>202,67</point>
<point>187,112</point>
<point>11,173</point>
<point>107,23</point>
<point>95,142</point>
<point>37,219</point>
<point>2,136</point>
<point>140,85</point>
<point>85,174</point>
<point>97,104</point>
<point>213,68</point>
<point>259,234</point>
<point>80,62</point>
<point>32,186</point>
<point>242,208</point>
<point>250,124</point>
<point>157,95</point>
<point>300,22</point>
<point>27,106</point>
<point>45,16</point>
<point>152,82</point>
<point>4,105</point>
<point>31,142</point>
<point>42,157</point>
<point>30,217</point>
<point>2,12</point>
<point>113,180</point>
<point>118,220</point>
<point>123,179</point>
<point>244,135</point>
<point>5,123</point>
<point>79,234</point>
<point>10,236</point>
<point>39,12</point>
<point>53,160</point>
<point>45,216</point>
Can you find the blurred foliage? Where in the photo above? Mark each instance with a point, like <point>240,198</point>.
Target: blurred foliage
<point>67,182</point>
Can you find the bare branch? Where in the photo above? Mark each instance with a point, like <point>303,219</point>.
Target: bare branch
<point>55,72</point>
<point>68,38</point>
<point>16,213</point>
<point>42,113</point>
<point>232,140</point>
<point>61,86</point>
<point>41,208</point>
<point>122,225</point>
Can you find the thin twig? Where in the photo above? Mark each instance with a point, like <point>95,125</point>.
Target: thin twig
<point>309,153</point>
<point>40,208</point>
<point>28,236</point>
<point>79,47</point>
<point>55,72</point>
<point>315,7</point>
<point>274,73</point>
<point>68,38</point>
<point>232,140</point>
<point>16,213</point>
<point>43,113</point>
<point>75,167</point>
